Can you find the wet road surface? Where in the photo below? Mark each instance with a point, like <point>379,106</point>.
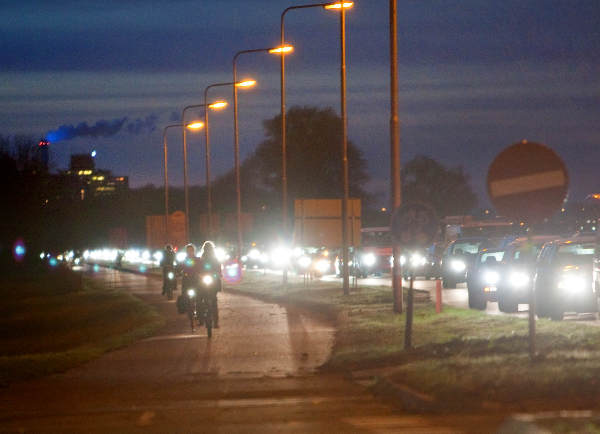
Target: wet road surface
<point>257,374</point>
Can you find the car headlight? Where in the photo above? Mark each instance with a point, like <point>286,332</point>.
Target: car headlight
<point>171,275</point>
<point>322,265</point>
<point>518,279</point>
<point>417,260</point>
<point>369,259</point>
<point>457,265</point>
<point>207,280</point>
<point>191,293</point>
<point>491,277</point>
<point>304,261</point>
<point>571,283</point>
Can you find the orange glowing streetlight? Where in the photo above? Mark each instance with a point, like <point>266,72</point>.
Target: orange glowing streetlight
<point>282,49</point>
<point>339,5</point>
<point>195,125</point>
<point>218,105</point>
<point>245,83</point>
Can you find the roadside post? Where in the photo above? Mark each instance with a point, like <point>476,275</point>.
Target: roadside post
<point>414,226</point>
<point>528,182</point>
<point>438,296</point>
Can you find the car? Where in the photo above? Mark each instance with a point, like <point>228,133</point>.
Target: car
<point>373,257</point>
<point>483,277</point>
<point>564,277</point>
<point>519,268</point>
<point>458,257</point>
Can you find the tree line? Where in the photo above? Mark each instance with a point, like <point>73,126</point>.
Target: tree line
<point>35,209</point>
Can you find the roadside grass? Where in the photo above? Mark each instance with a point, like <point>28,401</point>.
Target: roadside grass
<point>47,328</point>
<point>460,356</point>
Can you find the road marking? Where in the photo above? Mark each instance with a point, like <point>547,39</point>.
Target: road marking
<point>527,183</point>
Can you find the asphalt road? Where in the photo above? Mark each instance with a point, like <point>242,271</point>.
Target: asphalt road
<point>257,374</point>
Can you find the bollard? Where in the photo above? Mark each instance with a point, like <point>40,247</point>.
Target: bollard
<point>438,296</point>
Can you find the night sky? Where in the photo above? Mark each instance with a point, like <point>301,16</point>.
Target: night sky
<point>475,77</point>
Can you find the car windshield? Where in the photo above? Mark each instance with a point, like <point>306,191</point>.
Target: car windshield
<point>465,247</point>
<point>491,257</point>
<point>377,238</point>
<point>577,253</point>
<point>525,254</point>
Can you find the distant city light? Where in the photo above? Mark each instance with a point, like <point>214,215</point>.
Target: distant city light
<point>93,153</point>
<point>19,250</point>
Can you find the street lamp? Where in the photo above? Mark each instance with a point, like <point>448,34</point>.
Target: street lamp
<point>166,170</point>
<point>215,105</point>
<point>236,150</point>
<point>339,6</point>
<point>196,125</point>
<point>247,83</point>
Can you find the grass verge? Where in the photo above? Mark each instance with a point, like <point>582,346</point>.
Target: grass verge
<point>45,329</point>
<point>460,357</point>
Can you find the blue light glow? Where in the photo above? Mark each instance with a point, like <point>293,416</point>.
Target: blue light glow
<point>53,262</point>
<point>19,250</point>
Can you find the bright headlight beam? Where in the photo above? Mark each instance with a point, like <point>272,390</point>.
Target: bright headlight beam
<point>458,265</point>
<point>369,259</point>
<point>518,279</point>
<point>491,277</point>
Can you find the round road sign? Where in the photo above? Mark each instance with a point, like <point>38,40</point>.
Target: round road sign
<point>527,181</point>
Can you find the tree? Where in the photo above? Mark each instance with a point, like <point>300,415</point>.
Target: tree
<point>313,155</point>
<point>446,189</point>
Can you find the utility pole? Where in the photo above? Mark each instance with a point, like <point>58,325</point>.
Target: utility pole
<point>395,186</point>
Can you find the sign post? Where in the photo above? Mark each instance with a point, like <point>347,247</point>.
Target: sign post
<point>414,226</point>
<point>528,182</point>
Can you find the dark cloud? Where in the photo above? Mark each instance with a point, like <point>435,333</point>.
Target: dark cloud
<point>103,128</point>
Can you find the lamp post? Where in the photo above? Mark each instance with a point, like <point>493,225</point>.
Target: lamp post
<point>166,177</point>
<point>166,170</point>
<point>341,6</point>
<point>207,155</point>
<point>395,179</point>
<point>215,105</point>
<point>236,149</point>
<point>195,126</point>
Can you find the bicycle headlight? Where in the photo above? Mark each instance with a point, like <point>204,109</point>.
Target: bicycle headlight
<point>191,293</point>
<point>171,275</point>
<point>207,280</point>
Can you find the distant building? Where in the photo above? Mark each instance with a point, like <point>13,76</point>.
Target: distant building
<point>85,181</point>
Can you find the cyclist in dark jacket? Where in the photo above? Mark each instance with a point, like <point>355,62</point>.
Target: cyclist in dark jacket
<point>168,265</point>
<point>210,264</point>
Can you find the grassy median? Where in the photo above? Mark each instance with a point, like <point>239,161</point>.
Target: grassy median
<point>51,321</point>
<point>460,357</point>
